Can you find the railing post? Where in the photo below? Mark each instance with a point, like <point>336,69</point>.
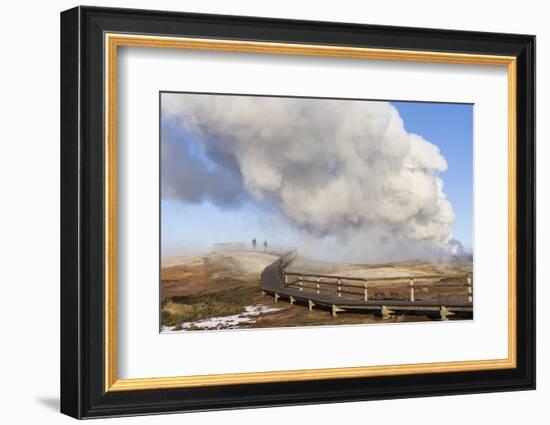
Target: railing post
<point>339,287</point>
<point>411,284</point>
<point>366,291</point>
<point>301,284</point>
<point>470,292</point>
<point>318,286</point>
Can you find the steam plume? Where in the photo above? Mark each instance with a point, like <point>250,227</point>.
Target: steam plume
<point>332,168</point>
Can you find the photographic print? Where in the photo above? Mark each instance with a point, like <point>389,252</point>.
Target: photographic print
<point>293,211</point>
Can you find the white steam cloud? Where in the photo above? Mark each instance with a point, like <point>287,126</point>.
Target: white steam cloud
<point>344,169</point>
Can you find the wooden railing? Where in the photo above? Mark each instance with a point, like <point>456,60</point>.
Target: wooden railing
<point>344,286</point>
<point>285,261</point>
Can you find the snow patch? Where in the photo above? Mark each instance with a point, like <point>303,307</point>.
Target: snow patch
<point>225,322</point>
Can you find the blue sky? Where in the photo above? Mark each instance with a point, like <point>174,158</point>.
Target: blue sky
<point>196,226</point>
<point>450,127</point>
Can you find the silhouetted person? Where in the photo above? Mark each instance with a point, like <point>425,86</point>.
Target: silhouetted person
<point>254,243</point>
<point>265,246</point>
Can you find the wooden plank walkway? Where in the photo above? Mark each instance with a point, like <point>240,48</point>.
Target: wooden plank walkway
<point>272,282</point>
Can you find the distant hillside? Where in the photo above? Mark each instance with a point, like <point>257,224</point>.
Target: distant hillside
<point>212,272</point>
<point>400,268</point>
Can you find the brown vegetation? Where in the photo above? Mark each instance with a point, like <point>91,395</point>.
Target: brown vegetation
<point>223,284</point>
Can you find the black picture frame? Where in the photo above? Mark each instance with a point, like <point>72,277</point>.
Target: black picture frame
<point>83,392</point>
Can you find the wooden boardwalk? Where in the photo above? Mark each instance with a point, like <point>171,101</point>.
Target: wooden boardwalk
<point>273,280</point>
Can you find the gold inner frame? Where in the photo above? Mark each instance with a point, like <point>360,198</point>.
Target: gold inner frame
<point>113,41</point>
